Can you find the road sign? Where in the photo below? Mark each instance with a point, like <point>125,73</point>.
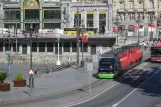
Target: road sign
<point>31,72</point>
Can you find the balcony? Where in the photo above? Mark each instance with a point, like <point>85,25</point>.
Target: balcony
<point>121,10</point>
<point>139,9</point>
<point>150,9</point>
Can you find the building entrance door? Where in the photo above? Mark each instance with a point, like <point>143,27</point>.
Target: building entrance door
<point>24,49</point>
<point>56,48</point>
<point>93,49</point>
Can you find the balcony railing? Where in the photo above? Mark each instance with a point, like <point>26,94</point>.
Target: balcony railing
<point>150,9</point>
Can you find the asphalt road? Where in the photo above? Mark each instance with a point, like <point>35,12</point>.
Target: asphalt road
<point>139,88</point>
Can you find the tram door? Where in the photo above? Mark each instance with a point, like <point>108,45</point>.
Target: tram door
<point>56,48</point>
<point>24,49</point>
<point>93,49</point>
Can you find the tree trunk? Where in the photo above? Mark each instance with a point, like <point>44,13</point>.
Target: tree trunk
<point>1,81</point>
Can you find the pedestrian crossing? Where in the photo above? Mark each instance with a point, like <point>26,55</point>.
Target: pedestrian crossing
<point>142,72</point>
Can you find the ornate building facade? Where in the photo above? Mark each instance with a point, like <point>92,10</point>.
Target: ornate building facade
<point>51,14</point>
<point>148,12</point>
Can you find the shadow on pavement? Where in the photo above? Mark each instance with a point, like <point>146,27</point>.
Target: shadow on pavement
<point>152,87</point>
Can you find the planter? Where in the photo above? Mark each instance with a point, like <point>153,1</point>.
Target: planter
<point>5,87</point>
<point>19,83</point>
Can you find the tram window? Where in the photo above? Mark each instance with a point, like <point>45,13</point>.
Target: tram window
<point>156,51</point>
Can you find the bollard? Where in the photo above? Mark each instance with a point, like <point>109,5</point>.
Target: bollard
<point>32,82</point>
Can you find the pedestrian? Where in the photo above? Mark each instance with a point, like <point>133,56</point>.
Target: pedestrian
<point>68,61</point>
<point>35,72</point>
<point>145,46</point>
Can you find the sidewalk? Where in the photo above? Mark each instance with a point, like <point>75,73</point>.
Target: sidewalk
<point>49,84</point>
<point>52,84</point>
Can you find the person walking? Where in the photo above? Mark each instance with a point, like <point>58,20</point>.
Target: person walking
<point>145,45</point>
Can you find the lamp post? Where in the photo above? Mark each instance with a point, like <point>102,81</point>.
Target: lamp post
<point>138,22</point>
<point>58,61</point>
<point>117,24</point>
<point>151,20</point>
<point>82,30</point>
<point>77,37</point>
<point>31,79</point>
<point>8,52</point>
<point>15,36</point>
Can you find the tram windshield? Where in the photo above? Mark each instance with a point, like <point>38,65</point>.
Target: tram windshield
<point>107,64</point>
<point>155,51</point>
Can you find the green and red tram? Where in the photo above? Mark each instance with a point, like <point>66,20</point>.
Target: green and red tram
<point>117,61</point>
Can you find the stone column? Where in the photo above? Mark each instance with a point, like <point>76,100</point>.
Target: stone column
<point>96,19</point>
<point>22,16</point>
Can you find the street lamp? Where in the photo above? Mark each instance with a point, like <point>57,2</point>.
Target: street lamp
<point>151,20</point>
<point>15,36</point>
<point>117,24</point>
<point>58,61</point>
<point>8,52</point>
<point>82,30</point>
<point>31,79</point>
<point>138,22</point>
<point>77,37</point>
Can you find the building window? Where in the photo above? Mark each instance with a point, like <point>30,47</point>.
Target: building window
<point>32,14</point>
<point>49,46</point>
<point>34,47</point>
<point>51,25</point>
<point>89,24</point>
<point>14,47</point>
<point>122,5</point>
<point>131,4</point>
<point>102,25</point>
<point>151,4</point>
<point>75,19</point>
<point>10,15</point>
<point>52,14</point>
<point>102,17</point>
<point>1,46</point>
<point>90,17</point>
<point>74,47</point>
<point>9,25</point>
<point>131,28</point>
<point>141,5</point>
<point>66,46</point>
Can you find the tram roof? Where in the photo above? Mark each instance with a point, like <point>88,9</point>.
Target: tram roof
<point>121,49</point>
